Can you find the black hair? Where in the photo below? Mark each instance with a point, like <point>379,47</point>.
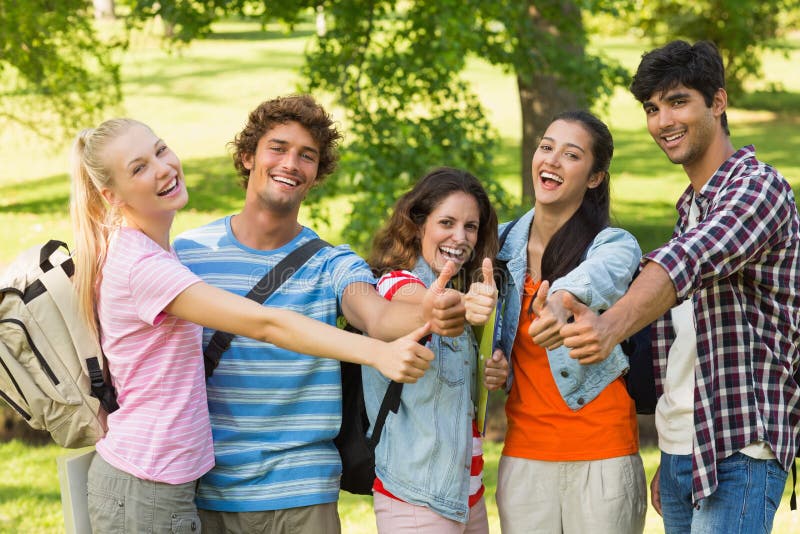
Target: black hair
<point>697,66</point>
<point>565,250</point>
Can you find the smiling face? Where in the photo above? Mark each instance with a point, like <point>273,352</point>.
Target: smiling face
<point>147,177</point>
<point>450,231</point>
<point>283,168</point>
<point>562,167</point>
<point>682,124</point>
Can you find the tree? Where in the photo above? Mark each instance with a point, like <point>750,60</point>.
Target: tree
<point>741,29</point>
<point>55,72</point>
<point>395,68</point>
<point>104,9</point>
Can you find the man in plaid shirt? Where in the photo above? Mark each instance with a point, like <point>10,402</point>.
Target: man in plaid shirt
<point>724,294</point>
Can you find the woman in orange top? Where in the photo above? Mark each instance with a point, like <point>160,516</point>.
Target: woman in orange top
<point>570,461</point>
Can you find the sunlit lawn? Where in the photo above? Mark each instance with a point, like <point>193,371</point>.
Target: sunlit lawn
<point>30,501</point>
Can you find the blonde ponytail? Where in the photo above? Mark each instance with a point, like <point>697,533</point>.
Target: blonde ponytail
<point>92,218</point>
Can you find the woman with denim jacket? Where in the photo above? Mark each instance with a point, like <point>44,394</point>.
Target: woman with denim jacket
<point>570,461</point>
<point>429,458</point>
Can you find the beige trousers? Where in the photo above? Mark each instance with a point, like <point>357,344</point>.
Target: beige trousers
<point>599,496</point>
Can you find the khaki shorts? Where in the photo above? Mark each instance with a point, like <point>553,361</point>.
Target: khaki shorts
<point>120,502</point>
<point>316,519</point>
<point>606,496</point>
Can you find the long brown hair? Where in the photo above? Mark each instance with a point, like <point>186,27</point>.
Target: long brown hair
<point>397,245</point>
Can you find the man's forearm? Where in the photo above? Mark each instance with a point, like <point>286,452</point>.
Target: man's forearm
<point>651,294</point>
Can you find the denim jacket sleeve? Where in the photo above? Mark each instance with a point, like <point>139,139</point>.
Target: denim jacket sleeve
<point>606,271</point>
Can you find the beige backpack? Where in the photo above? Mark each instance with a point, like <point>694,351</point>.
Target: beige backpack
<point>51,365</point>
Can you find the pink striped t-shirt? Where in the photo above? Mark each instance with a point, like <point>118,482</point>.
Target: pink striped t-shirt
<point>162,430</point>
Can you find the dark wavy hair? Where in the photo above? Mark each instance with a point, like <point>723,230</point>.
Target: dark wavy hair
<point>567,246</point>
<point>299,108</point>
<point>697,66</point>
<point>397,245</point>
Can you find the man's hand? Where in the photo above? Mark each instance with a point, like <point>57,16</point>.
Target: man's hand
<point>442,307</point>
<point>481,299</point>
<point>655,491</point>
<point>405,360</point>
<point>551,316</point>
<point>495,373</point>
<point>586,336</point>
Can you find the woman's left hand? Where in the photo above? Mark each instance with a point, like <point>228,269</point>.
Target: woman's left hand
<point>481,299</point>
<point>495,373</point>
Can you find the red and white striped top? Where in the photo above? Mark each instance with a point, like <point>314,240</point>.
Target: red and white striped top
<point>388,286</point>
<point>161,431</point>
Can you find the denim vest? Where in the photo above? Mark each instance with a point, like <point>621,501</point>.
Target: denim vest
<point>425,451</point>
<point>599,281</point>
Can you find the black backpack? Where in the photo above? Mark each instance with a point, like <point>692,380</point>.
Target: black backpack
<point>355,448</point>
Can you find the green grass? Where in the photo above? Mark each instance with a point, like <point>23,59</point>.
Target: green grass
<point>30,499</point>
<point>197,98</point>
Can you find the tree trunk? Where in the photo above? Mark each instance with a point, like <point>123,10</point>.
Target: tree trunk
<point>543,95</point>
<point>103,9</point>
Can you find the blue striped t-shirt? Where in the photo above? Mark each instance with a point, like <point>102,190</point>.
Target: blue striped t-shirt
<point>274,413</point>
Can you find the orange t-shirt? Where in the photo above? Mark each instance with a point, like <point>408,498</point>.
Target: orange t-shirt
<point>540,424</point>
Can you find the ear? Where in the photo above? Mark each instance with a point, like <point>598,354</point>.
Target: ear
<point>247,161</point>
<point>111,197</point>
<point>720,102</point>
<point>596,178</point>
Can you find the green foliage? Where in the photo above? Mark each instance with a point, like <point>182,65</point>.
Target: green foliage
<point>56,72</point>
<point>741,29</point>
<point>396,69</point>
<point>396,73</point>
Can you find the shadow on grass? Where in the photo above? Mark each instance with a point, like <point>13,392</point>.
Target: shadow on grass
<point>212,182</point>
<point>39,196</point>
<point>258,35</point>
<point>170,76</point>
<point>778,100</point>
<point>10,492</point>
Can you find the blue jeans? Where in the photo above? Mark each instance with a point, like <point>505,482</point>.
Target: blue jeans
<point>745,500</point>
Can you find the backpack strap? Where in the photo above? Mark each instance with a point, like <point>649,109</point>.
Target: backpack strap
<point>56,281</point>
<point>221,341</point>
<point>391,401</point>
<point>501,271</point>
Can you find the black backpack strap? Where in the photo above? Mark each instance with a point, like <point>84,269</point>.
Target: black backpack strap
<point>506,231</point>
<point>793,498</point>
<point>391,401</point>
<point>221,341</point>
<point>501,271</point>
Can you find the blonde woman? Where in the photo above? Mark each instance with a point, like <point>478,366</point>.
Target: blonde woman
<point>127,187</point>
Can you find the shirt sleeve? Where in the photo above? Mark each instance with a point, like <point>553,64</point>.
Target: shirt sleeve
<point>604,275</point>
<point>390,283</point>
<point>745,218</point>
<point>345,267</point>
<point>156,279</point>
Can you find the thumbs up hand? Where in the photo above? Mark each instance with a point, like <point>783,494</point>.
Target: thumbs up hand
<point>589,343</point>
<point>442,307</point>
<point>551,316</point>
<point>481,299</point>
<point>404,359</point>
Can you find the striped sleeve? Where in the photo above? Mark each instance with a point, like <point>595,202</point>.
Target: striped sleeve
<point>390,283</point>
<point>155,282</point>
